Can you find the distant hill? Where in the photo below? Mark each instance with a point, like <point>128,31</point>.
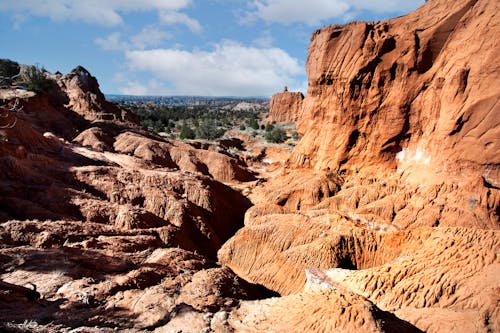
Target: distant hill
<point>187,100</point>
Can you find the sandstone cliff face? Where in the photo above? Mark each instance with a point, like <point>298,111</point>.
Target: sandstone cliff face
<point>285,106</point>
<point>406,86</point>
<point>392,192</point>
<point>404,100</point>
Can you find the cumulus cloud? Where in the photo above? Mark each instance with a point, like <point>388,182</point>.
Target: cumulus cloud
<point>180,18</point>
<point>135,88</point>
<point>386,6</point>
<point>309,12</point>
<point>265,40</point>
<point>230,68</point>
<point>90,11</point>
<point>112,42</point>
<point>313,12</point>
<point>149,36</point>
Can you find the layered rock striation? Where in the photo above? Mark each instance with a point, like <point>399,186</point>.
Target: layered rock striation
<point>405,104</point>
<point>392,192</point>
<point>404,86</point>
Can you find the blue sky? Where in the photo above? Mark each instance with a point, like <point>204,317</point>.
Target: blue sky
<point>179,47</point>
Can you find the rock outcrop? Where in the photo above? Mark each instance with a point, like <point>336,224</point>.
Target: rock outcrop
<point>404,89</point>
<point>112,224</point>
<point>392,192</point>
<point>285,106</point>
<point>82,95</point>
<point>403,103</point>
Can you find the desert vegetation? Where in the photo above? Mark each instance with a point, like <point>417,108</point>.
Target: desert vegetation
<point>8,71</point>
<point>32,78</point>
<point>208,122</point>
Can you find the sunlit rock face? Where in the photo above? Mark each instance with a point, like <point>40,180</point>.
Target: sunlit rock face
<point>392,192</point>
<point>285,106</point>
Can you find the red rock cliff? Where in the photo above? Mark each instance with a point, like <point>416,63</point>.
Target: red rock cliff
<point>398,162</point>
<point>285,106</point>
<point>420,88</point>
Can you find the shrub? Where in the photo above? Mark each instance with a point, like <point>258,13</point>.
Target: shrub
<point>208,130</point>
<point>295,135</point>
<point>269,127</point>
<point>33,78</point>
<point>8,69</point>
<point>243,127</point>
<point>276,135</point>
<point>252,123</point>
<point>186,132</point>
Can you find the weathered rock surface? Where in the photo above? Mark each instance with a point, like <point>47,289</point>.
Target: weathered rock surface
<point>331,310</point>
<point>285,106</point>
<point>82,95</point>
<point>114,226</point>
<point>384,219</point>
<point>406,96</point>
<point>391,194</point>
<point>406,84</point>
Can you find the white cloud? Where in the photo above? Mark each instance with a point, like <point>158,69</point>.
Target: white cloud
<point>229,69</point>
<point>265,40</point>
<point>112,42</point>
<point>147,37</point>
<point>18,19</point>
<point>386,6</point>
<point>313,12</point>
<point>135,88</point>
<point>152,88</point>
<point>310,12</point>
<point>180,18</point>
<point>90,11</point>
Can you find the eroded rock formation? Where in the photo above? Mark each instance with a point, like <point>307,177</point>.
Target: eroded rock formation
<point>384,219</point>
<point>114,226</point>
<point>392,192</point>
<point>404,96</point>
<point>285,106</point>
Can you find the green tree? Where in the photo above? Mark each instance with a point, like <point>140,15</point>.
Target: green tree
<point>158,126</point>
<point>277,135</point>
<point>208,130</point>
<point>252,123</point>
<point>186,132</point>
<point>196,123</point>
<point>33,78</point>
<point>8,70</point>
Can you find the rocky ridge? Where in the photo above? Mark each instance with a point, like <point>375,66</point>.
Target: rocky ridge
<point>116,227</point>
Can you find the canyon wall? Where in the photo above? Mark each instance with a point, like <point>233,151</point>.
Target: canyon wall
<point>421,88</point>
<point>411,102</point>
<point>392,193</point>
